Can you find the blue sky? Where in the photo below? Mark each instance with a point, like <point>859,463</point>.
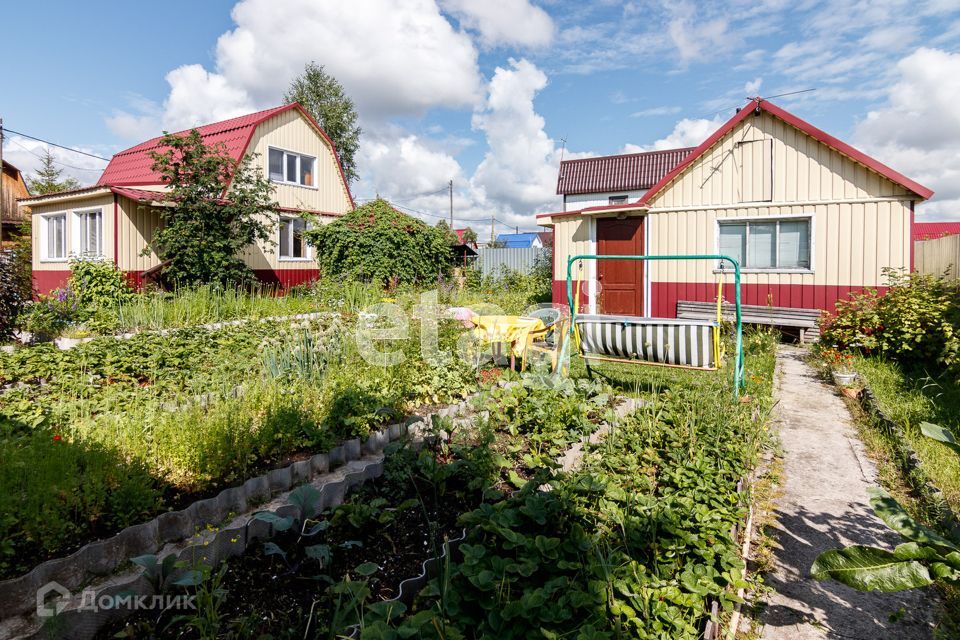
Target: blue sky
<point>483,91</point>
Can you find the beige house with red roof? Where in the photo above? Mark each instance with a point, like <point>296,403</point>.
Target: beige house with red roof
<point>115,219</point>
<point>808,217</point>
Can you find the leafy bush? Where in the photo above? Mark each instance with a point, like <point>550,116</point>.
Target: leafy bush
<point>13,296</point>
<point>49,316</point>
<point>376,243</point>
<point>917,321</point>
<point>98,284</point>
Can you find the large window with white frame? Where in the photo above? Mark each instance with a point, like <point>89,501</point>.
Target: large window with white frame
<point>292,242</point>
<point>53,242</point>
<point>774,244</point>
<point>88,233</point>
<point>287,167</point>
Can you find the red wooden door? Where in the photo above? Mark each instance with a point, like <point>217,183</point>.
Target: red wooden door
<point>621,281</point>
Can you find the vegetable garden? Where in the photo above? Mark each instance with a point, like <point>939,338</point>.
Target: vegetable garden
<point>633,540</point>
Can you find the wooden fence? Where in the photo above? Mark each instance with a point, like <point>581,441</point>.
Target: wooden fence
<point>938,256</point>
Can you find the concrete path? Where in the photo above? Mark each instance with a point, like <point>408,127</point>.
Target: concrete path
<point>825,506</point>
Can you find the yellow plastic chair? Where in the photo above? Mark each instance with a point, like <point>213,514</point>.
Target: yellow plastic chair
<point>549,343</point>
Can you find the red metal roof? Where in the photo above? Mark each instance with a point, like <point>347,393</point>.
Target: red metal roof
<point>627,172</point>
<point>933,230</point>
<point>132,166</point>
<point>815,133</point>
<point>140,195</point>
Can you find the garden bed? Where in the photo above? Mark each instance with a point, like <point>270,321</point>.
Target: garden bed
<point>454,474</point>
<point>637,543</point>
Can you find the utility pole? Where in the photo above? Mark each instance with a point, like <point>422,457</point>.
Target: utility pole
<point>2,212</point>
<point>451,205</point>
<point>493,237</point>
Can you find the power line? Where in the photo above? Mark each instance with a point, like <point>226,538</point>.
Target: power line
<point>779,95</point>
<point>54,144</point>
<point>54,160</point>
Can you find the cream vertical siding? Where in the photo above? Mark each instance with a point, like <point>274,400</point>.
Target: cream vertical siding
<point>571,236</point>
<point>851,242</point>
<point>104,202</point>
<point>803,169</point>
<point>290,131</point>
<point>138,223</point>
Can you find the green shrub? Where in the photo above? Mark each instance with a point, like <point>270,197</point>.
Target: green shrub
<point>48,316</point>
<point>98,284</point>
<point>917,321</point>
<point>376,243</point>
<point>13,295</point>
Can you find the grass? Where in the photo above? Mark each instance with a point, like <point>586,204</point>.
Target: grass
<point>910,398</point>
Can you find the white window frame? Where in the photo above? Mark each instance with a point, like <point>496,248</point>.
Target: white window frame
<point>77,234</point>
<point>307,249</point>
<point>761,219</point>
<point>617,199</point>
<point>299,156</point>
<point>45,219</point>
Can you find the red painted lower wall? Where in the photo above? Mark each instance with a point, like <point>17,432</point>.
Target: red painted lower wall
<point>665,295</point>
<point>560,293</point>
<point>46,281</point>
<point>286,278</point>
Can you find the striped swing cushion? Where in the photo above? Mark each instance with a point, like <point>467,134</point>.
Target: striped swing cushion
<point>678,342</point>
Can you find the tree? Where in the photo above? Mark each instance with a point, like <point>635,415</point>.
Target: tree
<point>207,226</point>
<point>47,179</point>
<point>447,232</point>
<point>469,236</point>
<point>324,98</point>
<point>377,243</point>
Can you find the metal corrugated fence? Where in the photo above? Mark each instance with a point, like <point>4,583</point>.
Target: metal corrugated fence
<point>492,261</point>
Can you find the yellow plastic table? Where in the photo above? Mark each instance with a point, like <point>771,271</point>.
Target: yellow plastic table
<point>512,329</point>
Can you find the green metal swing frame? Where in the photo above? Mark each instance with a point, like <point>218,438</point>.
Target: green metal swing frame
<point>738,367</point>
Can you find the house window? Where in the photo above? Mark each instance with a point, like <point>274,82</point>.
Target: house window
<point>89,233</point>
<point>617,200</point>
<point>293,244</point>
<point>291,168</point>
<point>767,244</point>
<point>55,243</point>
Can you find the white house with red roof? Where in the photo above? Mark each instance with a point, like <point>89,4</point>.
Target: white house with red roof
<point>115,219</point>
<point>808,217</point>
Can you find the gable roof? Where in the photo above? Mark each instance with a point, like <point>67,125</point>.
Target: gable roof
<point>625,172</point>
<point>933,230</point>
<point>132,166</point>
<point>757,105</point>
<point>518,240</point>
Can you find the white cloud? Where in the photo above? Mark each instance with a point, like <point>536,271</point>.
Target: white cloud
<point>520,168</point>
<point>504,22</point>
<point>695,40</point>
<point>688,132</point>
<point>655,111</point>
<point>917,131</point>
<point>752,87</point>
<point>394,57</point>
<point>25,154</point>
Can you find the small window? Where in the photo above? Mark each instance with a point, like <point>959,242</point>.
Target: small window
<point>90,233</point>
<point>291,168</point>
<point>767,244</point>
<point>293,243</point>
<point>55,228</point>
<point>617,200</point>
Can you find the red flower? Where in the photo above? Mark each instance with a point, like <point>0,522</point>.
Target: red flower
<point>57,438</point>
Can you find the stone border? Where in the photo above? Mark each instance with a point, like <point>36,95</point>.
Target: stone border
<point>102,557</point>
<point>65,344</point>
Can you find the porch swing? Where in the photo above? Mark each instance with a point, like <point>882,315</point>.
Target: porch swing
<point>683,343</point>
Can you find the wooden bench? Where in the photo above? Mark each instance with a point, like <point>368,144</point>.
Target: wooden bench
<point>803,319</point>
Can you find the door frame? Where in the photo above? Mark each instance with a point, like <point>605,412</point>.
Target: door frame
<point>644,284</point>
